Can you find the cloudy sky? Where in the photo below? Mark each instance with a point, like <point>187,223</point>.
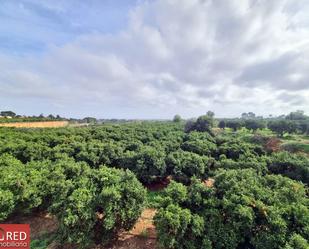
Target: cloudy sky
<point>155,58</point>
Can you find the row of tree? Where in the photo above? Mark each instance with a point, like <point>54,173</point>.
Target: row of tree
<point>279,126</point>
<point>295,122</point>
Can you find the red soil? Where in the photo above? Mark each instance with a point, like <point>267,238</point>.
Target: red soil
<point>273,144</point>
<point>162,184</point>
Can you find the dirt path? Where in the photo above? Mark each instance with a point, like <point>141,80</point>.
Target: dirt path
<point>40,224</point>
<point>142,236</point>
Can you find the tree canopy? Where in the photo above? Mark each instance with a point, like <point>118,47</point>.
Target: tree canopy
<point>242,210</point>
<point>228,189</point>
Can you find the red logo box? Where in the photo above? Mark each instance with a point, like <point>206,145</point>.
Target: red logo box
<point>14,236</point>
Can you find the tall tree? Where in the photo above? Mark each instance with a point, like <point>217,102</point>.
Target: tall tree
<point>210,114</point>
<point>177,118</point>
<point>282,126</point>
<point>222,124</point>
<point>8,114</point>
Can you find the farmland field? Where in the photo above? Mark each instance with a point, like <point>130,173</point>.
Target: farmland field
<point>81,187</point>
<point>38,124</point>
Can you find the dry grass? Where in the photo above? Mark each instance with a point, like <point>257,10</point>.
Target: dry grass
<point>43,124</point>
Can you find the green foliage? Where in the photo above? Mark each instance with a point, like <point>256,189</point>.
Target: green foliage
<point>182,165</point>
<point>153,198</point>
<point>149,164</point>
<point>89,177</point>
<point>292,165</point>
<point>42,242</point>
<point>201,143</point>
<point>253,124</point>
<point>90,120</point>
<point>295,147</point>
<point>7,203</point>
<point>222,124</point>
<point>38,244</point>
<point>172,223</point>
<point>234,149</point>
<point>297,242</point>
<point>18,185</point>
<point>177,118</point>
<point>97,206</point>
<point>282,126</point>
<point>175,192</point>
<point>242,210</point>
<point>234,124</point>
<point>244,162</point>
<point>295,122</point>
<point>303,126</point>
<point>202,124</point>
<point>7,114</point>
<point>139,147</point>
<point>210,114</point>
<point>91,204</point>
<point>297,115</point>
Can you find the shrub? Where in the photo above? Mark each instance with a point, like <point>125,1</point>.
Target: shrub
<point>291,165</point>
<point>203,124</point>
<point>282,126</point>
<point>257,163</point>
<point>149,164</point>
<point>234,124</point>
<point>201,143</point>
<point>235,148</point>
<point>182,165</point>
<point>253,124</point>
<point>7,203</point>
<point>295,147</point>
<point>242,210</point>
<point>98,206</point>
<point>18,185</point>
<point>297,242</point>
<point>174,222</point>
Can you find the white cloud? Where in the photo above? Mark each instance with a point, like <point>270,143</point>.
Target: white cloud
<point>178,56</point>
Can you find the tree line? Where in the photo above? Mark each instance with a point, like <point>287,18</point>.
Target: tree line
<point>294,122</point>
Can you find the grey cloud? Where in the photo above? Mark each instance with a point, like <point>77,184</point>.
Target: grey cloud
<point>182,56</point>
<point>284,72</point>
<point>292,99</point>
<point>270,71</point>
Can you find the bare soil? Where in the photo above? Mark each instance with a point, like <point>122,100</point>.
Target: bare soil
<point>209,182</point>
<point>141,236</point>
<point>159,185</point>
<point>40,224</point>
<point>273,144</point>
<point>44,124</point>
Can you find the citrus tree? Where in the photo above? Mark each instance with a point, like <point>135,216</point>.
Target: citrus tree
<point>242,210</point>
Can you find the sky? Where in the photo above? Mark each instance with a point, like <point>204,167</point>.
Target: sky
<point>154,59</point>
